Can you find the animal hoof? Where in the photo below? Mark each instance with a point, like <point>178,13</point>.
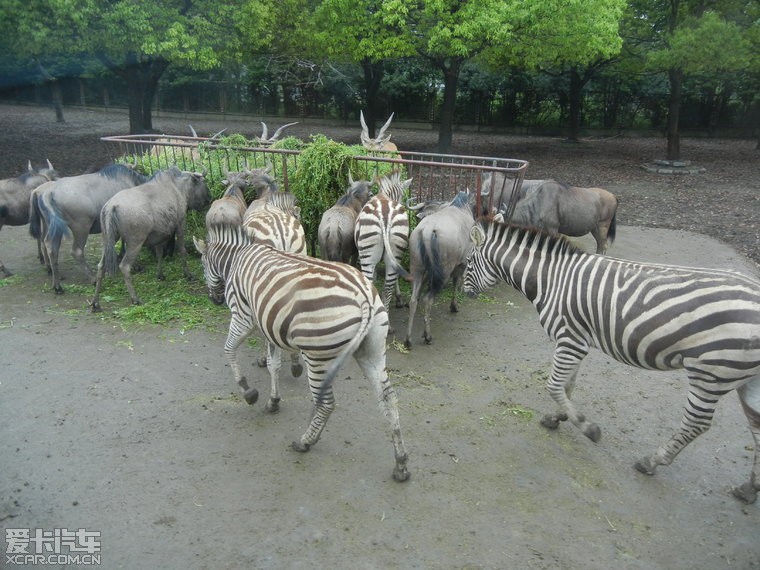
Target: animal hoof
<point>58,290</point>
<point>745,493</point>
<point>262,362</point>
<point>301,447</point>
<point>551,421</point>
<point>251,396</point>
<point>273,405</point>
<point>296,370</point>
<point>645,466</point>
<point>401,475</point>
<point>407,344</point>
<point>428,339</point>
<point>593,432</point>
<point>454,309</point>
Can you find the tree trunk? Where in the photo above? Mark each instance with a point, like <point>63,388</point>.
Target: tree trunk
<point>675,76</point>
<point>574,105</point>
<point>450,70</point>
<point>142,81</point>
<point>55,88</point>
<point>373,75</point>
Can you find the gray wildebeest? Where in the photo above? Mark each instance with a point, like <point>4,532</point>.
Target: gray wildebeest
<point>559,209</point>
<point>15,194</point>
<point>336,228</point>
<point>227,210</point>
<point>71,206</point>
<point>438,249</point>
<point>149,214</point>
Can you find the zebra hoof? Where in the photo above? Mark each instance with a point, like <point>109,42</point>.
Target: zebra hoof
<point>407,344</point>
<point>58,290</point>
<point>300,447</point>
<point>262,362</point>
<point>645,466</point>
<point>593,432</point>
<point>251,396</point>
<point>552,421</point>
<point>296,370</point>
<point>401,474</point>
<point>273,405</point>
<point>745,493</point>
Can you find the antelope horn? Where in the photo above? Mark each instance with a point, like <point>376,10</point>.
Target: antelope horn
<point>192,130</point>
<point>385,126</point>
<point>218,134</point>
<point>29,166</point>
<point>282,128</point>
<point>365,130</point>
<point>350,178</point>
<point>50,165</point>
<point>264,131</point>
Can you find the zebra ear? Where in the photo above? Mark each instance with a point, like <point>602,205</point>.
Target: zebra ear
<point>200,245</point>
<point>477,235</point>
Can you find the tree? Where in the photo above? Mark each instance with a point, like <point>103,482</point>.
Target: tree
<point>687,39</point>
<point>138,40</point>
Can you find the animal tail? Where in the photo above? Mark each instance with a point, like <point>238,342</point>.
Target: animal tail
<point>57,227</point>
<point>611,231</point>
<point>109,223</point>
<point>431,261</point>
<point>35,224</point>
<point>391,260</point>
<point>348,350</point>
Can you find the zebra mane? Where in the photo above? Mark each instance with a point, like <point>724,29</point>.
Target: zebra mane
<point>227,234</point>
<point>533,237</point>
<point>392,187</point>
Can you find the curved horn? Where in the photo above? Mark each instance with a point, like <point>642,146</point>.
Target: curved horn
<point>29,166</point>
<point>282,128</point>
<point>192,130</point>
<point>218,134</point>
<point>412,205</point>
<point>264,131</point>
<point>350,178</point>
<point>365,130</point>
<point>269,168</point>
<point>50,164</point>
<point>385,126</point>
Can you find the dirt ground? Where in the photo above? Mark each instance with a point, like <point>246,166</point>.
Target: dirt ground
<point>139,434</point>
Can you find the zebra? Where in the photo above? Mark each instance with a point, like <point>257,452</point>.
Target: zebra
<point>326,310</point>
<point>657,317</point>
<point>382,233</point>
<point>278,228</point>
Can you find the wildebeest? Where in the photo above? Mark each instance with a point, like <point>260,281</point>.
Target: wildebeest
<point>438,249</point>
<point>336,229</point>
<point>72,205</point>
<point>381,141</point>
<point>15,194</point>
<point>559,209</point>
<point>149,214</point>
<point>227,210</point>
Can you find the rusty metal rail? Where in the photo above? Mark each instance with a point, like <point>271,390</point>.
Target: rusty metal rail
<point>435,176</point>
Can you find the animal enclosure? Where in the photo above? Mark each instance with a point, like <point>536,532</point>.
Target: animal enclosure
<point>435,176</point>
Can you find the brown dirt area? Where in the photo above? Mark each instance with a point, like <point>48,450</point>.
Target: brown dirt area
<point>139,433</point>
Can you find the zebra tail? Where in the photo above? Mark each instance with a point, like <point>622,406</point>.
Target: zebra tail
<point>391,260</point>
<point>109,224</point>
<point>35,225</point>
<point>611,231</point>
<point>57,227</point>
<point>349,349</point>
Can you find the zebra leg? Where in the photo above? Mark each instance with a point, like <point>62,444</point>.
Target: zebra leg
<point>323,405</point>
<point>237,333</point>
<point>296,368</point>
<point>566,361</point>
<point>274,364</point>
<point>371,359</point>
<point>749,396</point>
<point>696,420</point>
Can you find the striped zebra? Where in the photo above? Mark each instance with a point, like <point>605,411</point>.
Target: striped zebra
<point>328,311</point>
<point>382,233</point>
<point>656,317</point>
<point>277,227</point>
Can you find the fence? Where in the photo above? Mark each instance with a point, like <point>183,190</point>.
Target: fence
<point>435,176</point>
